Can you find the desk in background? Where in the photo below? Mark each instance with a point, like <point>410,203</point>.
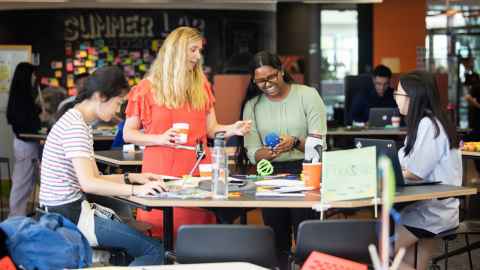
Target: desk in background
<point>100,140</point>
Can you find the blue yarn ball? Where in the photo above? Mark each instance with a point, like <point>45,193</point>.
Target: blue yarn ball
<point>272,139</point>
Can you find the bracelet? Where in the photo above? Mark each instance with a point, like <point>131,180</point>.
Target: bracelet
<point>126,179</point>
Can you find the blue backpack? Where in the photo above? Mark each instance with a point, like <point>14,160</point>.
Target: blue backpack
<point>53,242</point>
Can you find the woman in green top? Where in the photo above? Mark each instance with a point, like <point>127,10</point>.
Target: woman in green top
<point>275,103</point>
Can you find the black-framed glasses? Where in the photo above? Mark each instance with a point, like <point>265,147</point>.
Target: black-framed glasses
<point>400,95</point>
<point>270,78</point>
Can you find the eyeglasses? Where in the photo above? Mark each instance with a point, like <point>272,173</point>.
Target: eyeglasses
<point>400,95</point>
<point>270,78</point>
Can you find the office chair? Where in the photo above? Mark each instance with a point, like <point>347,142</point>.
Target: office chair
<point>348,239</point>
<point>226,243</point>
<point>466,228</point>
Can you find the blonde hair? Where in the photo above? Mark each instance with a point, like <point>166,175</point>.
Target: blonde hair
<point>174,85</point>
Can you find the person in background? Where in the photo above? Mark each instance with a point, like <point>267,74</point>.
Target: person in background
<point>381,96</point>
<point>275,103</point>
<point>24,115</point>
<point>79,84</point>
<point>51,98</point>
<point>69,170</point>
<point>430,153</point>
<point>175,90</point>
<point>118,141</point>
<point>472,84</point>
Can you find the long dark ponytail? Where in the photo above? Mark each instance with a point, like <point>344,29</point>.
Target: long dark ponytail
<point>260,59</point>
<point>422,89</point>
<point>108,81</point>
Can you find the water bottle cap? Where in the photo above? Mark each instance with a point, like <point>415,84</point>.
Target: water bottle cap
<point>219,139</point>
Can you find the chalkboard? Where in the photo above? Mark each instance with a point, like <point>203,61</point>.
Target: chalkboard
<point>10,56</point>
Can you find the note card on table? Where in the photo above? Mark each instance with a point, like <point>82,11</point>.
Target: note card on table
<point>349,174</point>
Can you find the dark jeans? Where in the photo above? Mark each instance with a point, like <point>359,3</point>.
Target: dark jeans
<point>110,233</point>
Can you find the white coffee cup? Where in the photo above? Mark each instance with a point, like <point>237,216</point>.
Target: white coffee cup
<point>182,132</point>
<point>395,121</point>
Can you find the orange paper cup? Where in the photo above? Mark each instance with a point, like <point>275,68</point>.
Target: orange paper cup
<point>205,170</point>
<point>312,173</point>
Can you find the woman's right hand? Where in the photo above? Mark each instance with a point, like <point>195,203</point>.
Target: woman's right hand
<point>149,188</point>
<point>265,153</point>
<point>167,138</point>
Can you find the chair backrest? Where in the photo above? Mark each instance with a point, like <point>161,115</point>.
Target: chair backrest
<point>226,243</point>
<point>347,239</point>
<point>355,85</point>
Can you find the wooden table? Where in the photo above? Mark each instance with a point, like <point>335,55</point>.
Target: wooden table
<point>469,154</point>
<point>366,132</point>
<point>43,137</point>
<point>133,161</point>
<point>118,158</point>
<point>312,199</point>
<point>198,266</point>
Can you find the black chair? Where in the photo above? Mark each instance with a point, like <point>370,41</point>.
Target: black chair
<point>347,239</point>
<point>7,162</point>
<point>226,243</point>
<point>465,228</point>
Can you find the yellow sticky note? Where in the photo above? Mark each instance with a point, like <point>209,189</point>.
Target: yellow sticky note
<point>142,67</point>
<point>154,45</point>
<point>58,74</point>
<point>81,70</point>
<point>127,61</point>
<point>82,54</point>
<point>130,82</point>
<point>54,82</point>
<point>70,83</point>
<point>89,64</point>
<point>105,49</point>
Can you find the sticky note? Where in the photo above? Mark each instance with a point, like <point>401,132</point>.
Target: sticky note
<point>89,63</point>
<point>58,74</point>
<point>53,82</point>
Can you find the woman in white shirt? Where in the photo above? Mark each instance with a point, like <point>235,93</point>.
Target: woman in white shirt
<point>430,153</point>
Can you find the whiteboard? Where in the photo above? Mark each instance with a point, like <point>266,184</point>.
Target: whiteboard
<point>10,56</point>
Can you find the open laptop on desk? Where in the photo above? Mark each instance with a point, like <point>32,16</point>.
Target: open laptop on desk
<point>388,148</point>
<point>381,117</point>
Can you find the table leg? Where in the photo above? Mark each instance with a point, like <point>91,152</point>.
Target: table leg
<point>168,231</point>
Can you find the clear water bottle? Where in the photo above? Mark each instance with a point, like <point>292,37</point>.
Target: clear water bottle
<point>219,168</point>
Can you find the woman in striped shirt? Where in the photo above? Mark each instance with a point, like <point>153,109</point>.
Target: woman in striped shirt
<point>69,169</point>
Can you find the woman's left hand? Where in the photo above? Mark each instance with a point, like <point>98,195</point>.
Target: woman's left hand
<point>142,178</point>
<point>285,145</point>
<point>241,128</point>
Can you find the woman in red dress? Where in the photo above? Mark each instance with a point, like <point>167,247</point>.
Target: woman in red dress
<point>175,90</point>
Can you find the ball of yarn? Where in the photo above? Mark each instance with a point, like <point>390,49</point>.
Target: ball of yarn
<point>264,167</point>
<point>272,139</point>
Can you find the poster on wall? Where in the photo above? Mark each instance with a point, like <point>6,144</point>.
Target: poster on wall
<point>10,56</point>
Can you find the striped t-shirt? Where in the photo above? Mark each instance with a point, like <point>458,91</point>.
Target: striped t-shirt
<point>69,138</point>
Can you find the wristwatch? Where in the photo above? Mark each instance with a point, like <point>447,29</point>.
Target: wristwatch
<point>126,179</point>
<point>296,142</point>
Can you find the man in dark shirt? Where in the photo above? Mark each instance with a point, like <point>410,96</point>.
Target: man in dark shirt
<point>378,94</point>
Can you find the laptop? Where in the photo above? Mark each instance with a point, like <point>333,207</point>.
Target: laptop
<point>389,149</point>
<point>381,117</point>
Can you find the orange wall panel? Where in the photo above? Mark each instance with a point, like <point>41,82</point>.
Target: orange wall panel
<point>398,29</point>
